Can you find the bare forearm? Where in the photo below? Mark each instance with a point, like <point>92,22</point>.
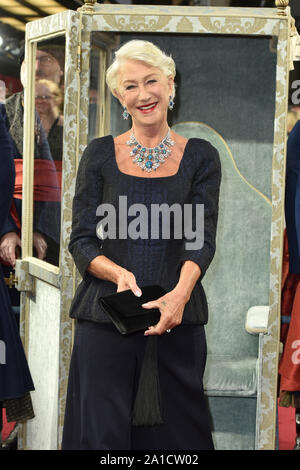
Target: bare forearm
<point>189,275</point>
<point>103,268</point>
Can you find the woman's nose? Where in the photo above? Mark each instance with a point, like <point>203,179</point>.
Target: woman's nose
<point>144,95</point>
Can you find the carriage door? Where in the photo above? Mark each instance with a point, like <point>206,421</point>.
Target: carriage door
<point>43,274</point>
<point>62,113</point>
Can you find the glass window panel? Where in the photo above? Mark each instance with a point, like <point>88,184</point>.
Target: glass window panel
<point>99,95</point>
<point>48,129</point>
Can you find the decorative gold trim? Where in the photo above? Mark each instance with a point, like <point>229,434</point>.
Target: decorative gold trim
<point>175,11</point>
<point>88,7</point>
<point>281,7</point>
<point>28,151</point>
<point>190,23</point>
<point>65,24</point>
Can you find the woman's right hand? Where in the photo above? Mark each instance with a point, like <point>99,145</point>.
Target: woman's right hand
<point>126,280</point>
<point>103,268</point>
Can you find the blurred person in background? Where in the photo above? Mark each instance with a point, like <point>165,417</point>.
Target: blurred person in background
<point>15,378</point>
<point>49,106</point>
<point>46,222</point>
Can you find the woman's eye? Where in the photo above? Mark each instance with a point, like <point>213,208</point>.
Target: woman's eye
<point>129,87</point>
<point>151,81</point>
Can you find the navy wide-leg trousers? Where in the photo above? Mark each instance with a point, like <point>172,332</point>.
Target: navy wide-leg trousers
<point>103,380</point>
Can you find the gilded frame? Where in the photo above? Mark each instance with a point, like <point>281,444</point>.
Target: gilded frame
<point>164,19</point>
<point>29,268</point>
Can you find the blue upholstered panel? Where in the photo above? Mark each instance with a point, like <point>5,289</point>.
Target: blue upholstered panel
<point>238,277</point>
<point>233,422</point>
<point>228,376</point>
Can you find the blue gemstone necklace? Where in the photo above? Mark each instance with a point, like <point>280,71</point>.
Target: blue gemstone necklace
<point>150,158</point>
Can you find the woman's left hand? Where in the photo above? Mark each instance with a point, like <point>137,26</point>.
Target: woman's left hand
<point>171,306</point>
<point>40,245</point>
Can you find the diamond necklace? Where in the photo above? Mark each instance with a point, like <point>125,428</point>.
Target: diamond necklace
<point>150,158</point>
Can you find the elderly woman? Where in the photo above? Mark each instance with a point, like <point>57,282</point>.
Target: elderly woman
<point>142,391</point>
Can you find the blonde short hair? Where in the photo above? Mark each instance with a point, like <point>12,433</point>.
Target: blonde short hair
<point>55,90</point>
<point>144,51</point>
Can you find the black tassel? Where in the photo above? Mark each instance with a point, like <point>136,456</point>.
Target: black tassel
<point>146,410</point>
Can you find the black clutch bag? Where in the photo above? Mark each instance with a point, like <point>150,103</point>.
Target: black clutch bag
<point>126,312</point>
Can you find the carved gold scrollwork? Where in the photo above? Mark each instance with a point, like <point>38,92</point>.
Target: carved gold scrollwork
<point>281,6</point>
<point>137,22</point>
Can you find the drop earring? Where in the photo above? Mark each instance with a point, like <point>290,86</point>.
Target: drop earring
<point>171,103</point>
<point>125,113</point>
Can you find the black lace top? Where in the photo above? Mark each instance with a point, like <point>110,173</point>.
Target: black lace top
<point>153,257</point>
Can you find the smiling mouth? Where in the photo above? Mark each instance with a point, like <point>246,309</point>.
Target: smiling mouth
<point>147,108</point>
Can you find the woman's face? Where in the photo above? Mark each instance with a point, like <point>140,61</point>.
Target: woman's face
<point>145,91</point>
<point>44,101</point>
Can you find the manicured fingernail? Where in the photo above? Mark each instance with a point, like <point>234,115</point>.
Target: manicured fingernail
<point>138,293</point>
